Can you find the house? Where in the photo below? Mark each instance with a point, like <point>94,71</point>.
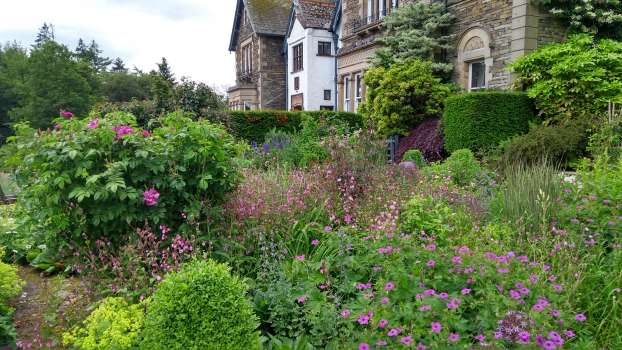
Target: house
<point>313,54</point>
<point>257,37</point>
<point>311,47</point>
<point>489,34</point>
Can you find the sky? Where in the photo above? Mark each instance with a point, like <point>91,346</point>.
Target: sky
<point>193,35</point>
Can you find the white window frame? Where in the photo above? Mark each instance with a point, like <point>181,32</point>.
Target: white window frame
<point>382,8</point>
<point>470,81</point>
<point>346,94</point>
<point>247,58</point>
<point>358,91</point>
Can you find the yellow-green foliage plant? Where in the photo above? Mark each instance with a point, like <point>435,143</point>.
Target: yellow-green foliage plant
<point>113,325</point>
<point>10,286</point>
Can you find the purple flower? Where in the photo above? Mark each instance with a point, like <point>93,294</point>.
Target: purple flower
<point>453,337</point>
<point>481,338</point>
<point>389,286</point>
<point>456,260</point>
<point>122,130</point>
<point>425,308</point>
<point>363,319</point>
<point>569,334</point>
<point>301,299</point>
<point>421,346</point>
<point>407,340</point>
<point>328,229</point>
<point>384,300</point>
<point>580,317</point>
<point>381,342</point>
<point>363,346</point>
<point>315,242</point>
<point>299,257</point>
<point>382,323</point>
<point>436,327</point>
<point>431,263</point>
<point>465,291</point>
<point>150,197</point>
<point>394,332</point>
<point>66,114</point>
<point>345,313</point>
<point>146,133</point>
<point>454,304</point>
<point>443,295</point>
<point>430,247</point>
<point>93,124</point>
<point>548,345</point>
<point>523,337</point>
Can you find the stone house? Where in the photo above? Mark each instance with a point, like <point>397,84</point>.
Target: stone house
<point>311,45</point>
<point>489,34</point>
<point>257,37</point>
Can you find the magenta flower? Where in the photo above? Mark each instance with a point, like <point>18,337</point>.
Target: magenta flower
<point>146,133</point>
<point>345,313</point>
<point>122,130</point>
<point>436,327</point>
<point>382,323</point>
<point>301,299</point>
<point>430,247</point>
<point>407,340</point>
<point>425,308</point>
<point>363,319</point>
<point>481,338</point>
<point>453,337</point>
<point>363,346</point>
<point>394,332</point>
<point>569,334</point>
<point>443,295</point>
<point>421,346</point>
<point>389,286</point>
<point>328,229</point>
<point>58,127</point>
<point>431,263</point>
<point>299,258</point>
<point>93,124</point>
<point>66,114</point>
<point>315,242</point>
<point>453,304</point>
<point>523,337</point>
<point>150,197</point>
<point>580,317</point>
<point>456,260</point>
<point>381,342</point>
<point>465,291</point>
<point>384,300</point>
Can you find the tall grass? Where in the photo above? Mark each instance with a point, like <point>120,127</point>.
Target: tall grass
<point>528,198</point>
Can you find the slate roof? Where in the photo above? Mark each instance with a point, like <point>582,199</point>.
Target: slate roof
<point>267,17</point>
<point>315,13</point>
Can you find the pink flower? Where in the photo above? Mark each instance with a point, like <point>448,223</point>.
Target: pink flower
<point>454,304</point>
<point>66,114</point>
<point>146,133</point>
<point>345,313</point>
<point>315,242</point>
<point>384,300</point>
<point>394,331</point>
<point>523,337</point>
<point>481,338</point>
<point>407,340</point>
<point>465,291</point>
<point>122,130</point>
<point>299,257</point>
<point>436,327</point>
<point>569,334</point>
<point>93,124</point>
<point>430,247</point>
<point>580,317</point>
<point>425,308</point>
<point>363,319</point>
<point>431,263</point>
<point>443,295</point>
<point>383,323</point>
<point>328,229</point>
<point>453,337</point>
<point>389,286</point>
<point>150,197</point>
<point>363,346</point>
<point>456,260</point>
<point>58,127</point>
<point>301,299</point>
<point>421,346</point>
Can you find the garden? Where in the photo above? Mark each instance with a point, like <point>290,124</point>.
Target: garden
<point>497,227</point>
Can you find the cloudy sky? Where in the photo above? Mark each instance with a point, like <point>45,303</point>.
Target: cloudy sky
<point>192,34</point>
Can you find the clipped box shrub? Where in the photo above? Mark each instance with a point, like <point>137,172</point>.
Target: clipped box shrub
<point>101,178</point>
<point>481,120</point>
<point>254,125</point>
<point>201,307</point>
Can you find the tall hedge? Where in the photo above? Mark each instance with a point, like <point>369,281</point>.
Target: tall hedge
<point>479,120</point>
<point>253,125</point>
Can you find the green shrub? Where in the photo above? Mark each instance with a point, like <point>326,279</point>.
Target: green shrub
<point>254,125</point>
<point>400,97</point>
<point>113,325</point>
<point>480,120</point>
<point>201,307</point>
<point>89,181</point>
<point>463,167</point>
<point>415,156</point>
<point>573,79</point>
<point>10,287</point>
<point>424,213</point>
<point>554,143</point>
<point>593,16</point>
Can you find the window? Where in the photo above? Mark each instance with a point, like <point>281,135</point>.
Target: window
<point>298,64</point>
<point>358,89</point>
<point>477,75</point>
<point>247,59</point>
<point>324,48</point>
<point>327,95</point>
<point>326,108</point>
<point>247,106</point>
<point>377,9</point>
<point>296,83</point>
<point>346,94</point>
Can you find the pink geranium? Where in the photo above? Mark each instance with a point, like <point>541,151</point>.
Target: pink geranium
<point>150,197</point>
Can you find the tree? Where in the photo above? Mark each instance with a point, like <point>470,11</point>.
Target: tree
<point>55,82</point>
<point>165,71</point>
<point>46,33</point>
<point>417,31</point>
<point>600,17</point>
<point>118,66</point>
<point>13,70</point>
<point>197,97</point>
<point>92,55</point>
<point>122,86</point>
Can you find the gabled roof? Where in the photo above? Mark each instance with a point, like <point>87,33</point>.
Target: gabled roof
<point>315,13</point>
<point>267,17</point>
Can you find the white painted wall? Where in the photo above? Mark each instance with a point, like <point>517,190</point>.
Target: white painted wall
<point>318,72</point>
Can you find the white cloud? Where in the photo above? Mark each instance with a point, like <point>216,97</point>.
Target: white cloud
<point>192,34</point>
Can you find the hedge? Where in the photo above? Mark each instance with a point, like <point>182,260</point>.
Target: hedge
<point>480,120</point>
<point>253,125</point>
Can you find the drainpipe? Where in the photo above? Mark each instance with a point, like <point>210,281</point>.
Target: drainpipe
<point>335,42</point>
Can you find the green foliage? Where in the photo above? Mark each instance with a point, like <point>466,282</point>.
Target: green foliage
<point>480,120</point>
<point>573,79</point>
<point>554,143</point>
<point>604,18</point>
<point>417,30</point>
<point>415,156</point>
<point>54,82</point>
<point>113,325</point>
<point>201,307</point>
<point>607,138</point>
<point>89,181</point>
<point>463,167</point>
<point>425,214</point>
<point>254,125</point>
<point>125,87</point>
<point>402,96</point>
<point>13,68</point>
<point>10,287</point>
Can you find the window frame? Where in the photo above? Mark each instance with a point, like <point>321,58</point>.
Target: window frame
<point>328,95</point>
<point>247,58</point>
<point>358,91</point>
<point>298,57</point>
<point>346,94</point>
<point>324,48</point>
<point>296,83</point>
<point>471,76</point>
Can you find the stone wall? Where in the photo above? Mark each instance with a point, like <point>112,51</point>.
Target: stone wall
<point>272,75</point>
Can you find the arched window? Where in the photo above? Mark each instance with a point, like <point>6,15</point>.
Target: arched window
<point>474,59</point>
